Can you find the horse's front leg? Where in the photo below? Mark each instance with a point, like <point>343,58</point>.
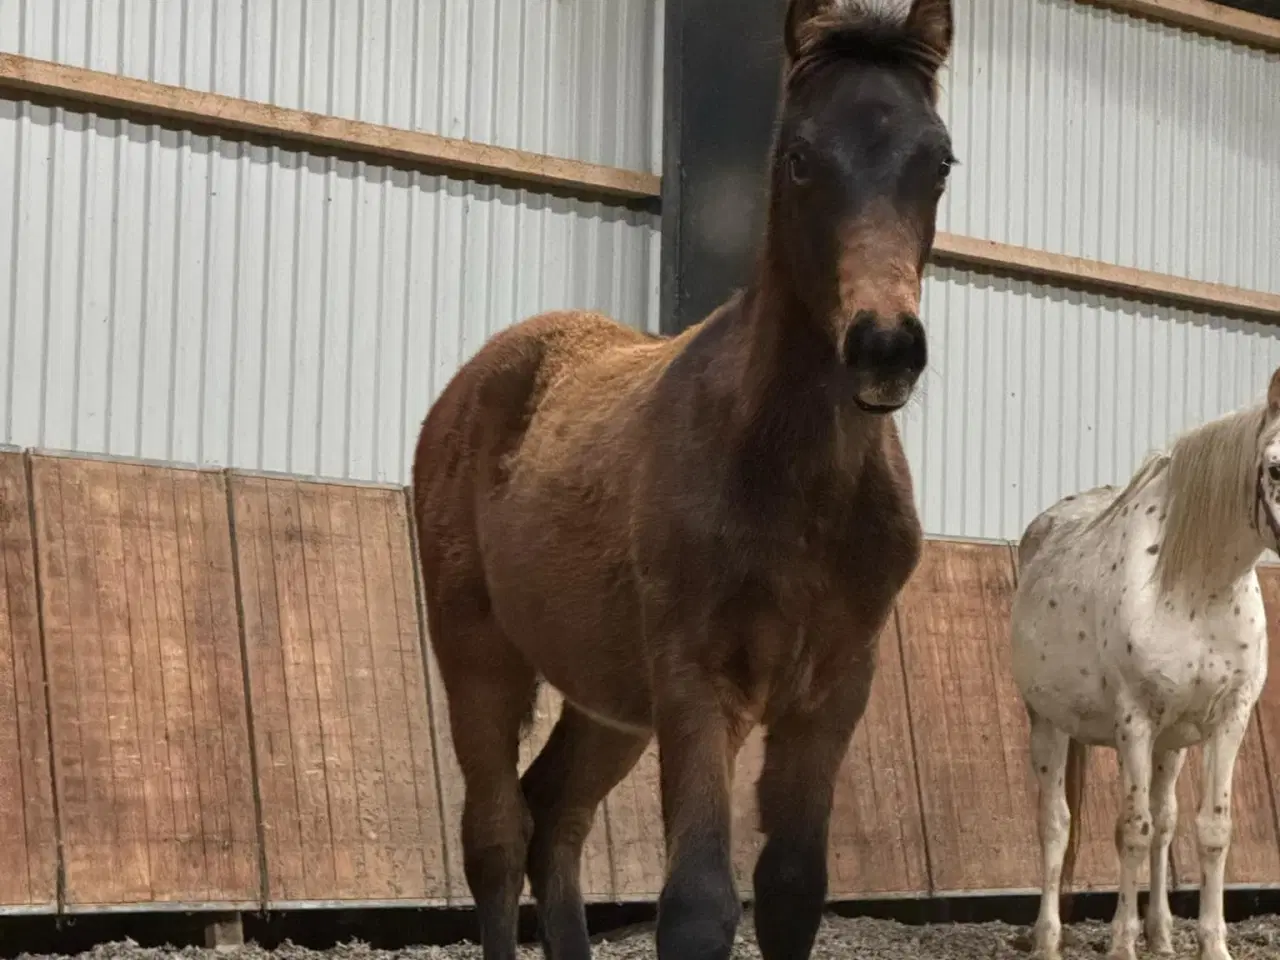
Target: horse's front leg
<point>1213,828</point>
<point>699,907</point>
<point>1133,828</point>
<point>803,755</point>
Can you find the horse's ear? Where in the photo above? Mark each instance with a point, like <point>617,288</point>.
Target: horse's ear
<point>930,21</point>
<point>1273,394</point>
<point>799,12</point>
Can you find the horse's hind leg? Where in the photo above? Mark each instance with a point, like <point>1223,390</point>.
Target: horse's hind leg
<point>1049,747</point>
<point>581,762</point>
<point>490,691</point>
<point>1164,817</point>
<point>1213,828</point>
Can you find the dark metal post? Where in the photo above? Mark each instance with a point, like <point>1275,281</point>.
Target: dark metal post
<point>721,74</point>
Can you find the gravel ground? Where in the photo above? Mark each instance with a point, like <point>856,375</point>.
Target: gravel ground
<point>840,939</point>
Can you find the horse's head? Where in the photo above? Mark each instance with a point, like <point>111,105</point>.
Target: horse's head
<point>859,164</point>
<point>1267,506</point>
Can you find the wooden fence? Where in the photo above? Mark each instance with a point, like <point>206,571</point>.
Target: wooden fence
<point>215,694</point>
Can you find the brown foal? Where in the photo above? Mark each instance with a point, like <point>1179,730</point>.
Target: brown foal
<point>690,536</point>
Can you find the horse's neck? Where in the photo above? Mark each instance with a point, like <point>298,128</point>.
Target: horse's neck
<point>790,409</point>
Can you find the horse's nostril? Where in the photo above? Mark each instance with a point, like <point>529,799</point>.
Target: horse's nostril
<point>1273,472</point>
<point>886,350</point>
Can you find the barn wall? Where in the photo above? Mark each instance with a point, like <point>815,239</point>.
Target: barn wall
<point>1034,392</point>
<point>188,298</point>
<point>306,325</point>
<point>569,79</point>
<point>1089,132</point>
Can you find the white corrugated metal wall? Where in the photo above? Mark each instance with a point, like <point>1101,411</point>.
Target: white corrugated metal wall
<point>184,298</point>
<point>189,298</point>
<point>1093,133</point>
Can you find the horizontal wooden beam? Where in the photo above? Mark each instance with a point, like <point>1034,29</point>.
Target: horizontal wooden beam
<point>1127,282</point>
<point>1203,17</point>
<point>76,84</point>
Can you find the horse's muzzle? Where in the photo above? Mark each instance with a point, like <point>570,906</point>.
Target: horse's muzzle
<point>885,359</point>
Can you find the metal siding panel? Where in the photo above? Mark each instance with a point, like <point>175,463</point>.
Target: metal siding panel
<point>1035,392</point>
<point>188,298</point>
<point>544,75</point>
<point>1088,132</point>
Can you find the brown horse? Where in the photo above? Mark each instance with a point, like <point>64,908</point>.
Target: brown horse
<point>691,536</point>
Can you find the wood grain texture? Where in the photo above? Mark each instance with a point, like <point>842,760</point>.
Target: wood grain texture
<point>635,831</point>
<point>1202,16</point>
<point>351,808</point>
<point>146,689</point>
<point>971,732</point>
<point>234,115</point>
<point>28,831</point>
<point>876,847</point>
<point>1059,269</point>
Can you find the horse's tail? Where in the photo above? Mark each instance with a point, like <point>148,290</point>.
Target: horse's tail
<point>1077,762</point>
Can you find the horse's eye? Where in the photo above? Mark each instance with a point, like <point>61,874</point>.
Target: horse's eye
<point>944,168</point>
<point>798,165</point>
<point>1273,472</point>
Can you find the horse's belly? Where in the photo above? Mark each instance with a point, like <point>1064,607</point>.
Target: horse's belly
<point>572,612</point>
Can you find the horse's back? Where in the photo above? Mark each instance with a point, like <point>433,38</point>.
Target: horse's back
<point>1065,518</point>
<point>480,418</point>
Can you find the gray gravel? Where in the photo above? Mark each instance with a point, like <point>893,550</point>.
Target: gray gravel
<point>840,939</point>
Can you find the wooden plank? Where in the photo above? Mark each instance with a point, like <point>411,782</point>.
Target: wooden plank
<point>234,115</point>
<point>148,715</point>
<point>635,831</point>
<point>347,766</point>
<point>1057,269</point>
<point>1212,19</point>
<point>28,833</point>
<point>877,833</point>
<point>971,732</point>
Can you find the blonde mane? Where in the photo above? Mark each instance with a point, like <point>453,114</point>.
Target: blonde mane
<point>1211,492</point>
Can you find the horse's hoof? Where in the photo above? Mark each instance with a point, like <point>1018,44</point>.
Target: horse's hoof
<point>1122,953</point>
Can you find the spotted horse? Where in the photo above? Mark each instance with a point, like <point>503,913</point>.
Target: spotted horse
<point>1138,625</point>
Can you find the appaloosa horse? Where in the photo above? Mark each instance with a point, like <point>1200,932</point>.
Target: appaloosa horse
<point>695,535</point>
<point>1138,624</point>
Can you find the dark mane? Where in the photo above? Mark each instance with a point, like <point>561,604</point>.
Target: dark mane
<point>855,31</point>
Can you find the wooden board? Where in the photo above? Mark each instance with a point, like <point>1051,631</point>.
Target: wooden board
<point>876,846</point>
<point>150,732</point>
<point>348,779</point>
<point>971,732</point>
<point>28,832</point>
<point>636,833</point>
